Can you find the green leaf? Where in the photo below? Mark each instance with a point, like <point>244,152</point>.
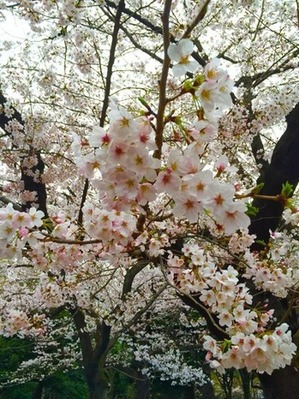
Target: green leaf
<point>251,210</point>
<point>287,190</point>
<point>257,189</point>
<point>261,242</point>
<point>143,102</point>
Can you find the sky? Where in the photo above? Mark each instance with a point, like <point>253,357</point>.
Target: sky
<point>13,28</point>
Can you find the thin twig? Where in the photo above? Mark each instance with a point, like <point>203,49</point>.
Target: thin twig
<point>107,93</point>
<point>200,15</point>
<point>111,61</point>
<point>259,21</point>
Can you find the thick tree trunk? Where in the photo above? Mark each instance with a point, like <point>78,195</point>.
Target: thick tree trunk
<point>284,167</point>
<point>281,384</point>
<point>143,389</point>
<point>98,389</point>
<point>207,390</point>
<point>93,356</point>
<point>39,392</point>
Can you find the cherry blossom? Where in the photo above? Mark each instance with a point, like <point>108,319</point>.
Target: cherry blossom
<point>181,53</point>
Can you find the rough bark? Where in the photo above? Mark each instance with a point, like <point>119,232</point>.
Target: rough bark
<point>207,390</point>
<point>96,377</point>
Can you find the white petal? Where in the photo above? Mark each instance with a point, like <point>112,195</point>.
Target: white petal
<point>186,47</point>
<point>179,69</point>
<point>173,53</point>
<point>192,66</point>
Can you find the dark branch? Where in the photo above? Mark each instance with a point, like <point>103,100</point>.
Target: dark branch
<point>31,177</point>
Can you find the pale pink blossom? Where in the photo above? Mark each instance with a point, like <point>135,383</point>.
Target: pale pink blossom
<point>203,131</point>
<point>36,217</point>
<point>99,137</point>
<point>233,358</point>
<point>117,152</point>
<point>187,206</point>
<point>207,93</point>
<point>212,72</point>
<point>168,182</point>
<point>198,184</point>
<point>219,197</point>
<point>233,217</point>
<point>146,193</point>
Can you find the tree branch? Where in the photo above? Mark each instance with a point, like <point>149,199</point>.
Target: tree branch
<point>163,81</point>
<point>86,346</point>
<point>31,177</point>
<point>200,15</point>
<point>107,92</point>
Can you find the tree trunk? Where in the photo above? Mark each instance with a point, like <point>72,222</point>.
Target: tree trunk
<point>143,388</point>
<point>98,389</point>
<point>246,383</point>
<point>39,392</point>
<point>284,167</point>
<point>207,391</point>
<point>30,183</point>
<point>281,384</point>
<point>189,393</point>
<point>93,357</point>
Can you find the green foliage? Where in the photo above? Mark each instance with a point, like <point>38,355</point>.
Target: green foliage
<point>251,210</point>
<point>21,391</point>
<point>287,190</point>
<point>13,351</point>
<point>257,189</point>
<point>69,385</point>
<point>60,385</point>
<point>122,387</point>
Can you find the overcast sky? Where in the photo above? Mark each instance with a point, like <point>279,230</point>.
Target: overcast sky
<point>13,28</point>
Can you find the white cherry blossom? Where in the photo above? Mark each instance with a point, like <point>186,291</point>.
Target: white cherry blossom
<point>181,53</point>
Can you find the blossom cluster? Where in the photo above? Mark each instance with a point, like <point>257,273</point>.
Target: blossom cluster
<point>122,156</point>
<point>215,90</point>
<point>18,322</point>
<point>263,353</point>
<point>277,272</point>
<point>196,191</point>
<point>169,366</point>
<point>158,355</point>
<point>111,227</point>
<point>221,292</point>
<point>17,229</point>
<point>121,165</point>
